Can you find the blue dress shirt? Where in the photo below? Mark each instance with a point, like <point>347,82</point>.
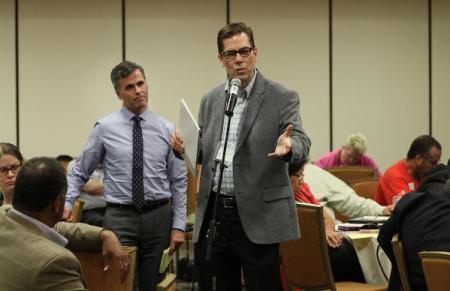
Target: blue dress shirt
<point>111,143</point>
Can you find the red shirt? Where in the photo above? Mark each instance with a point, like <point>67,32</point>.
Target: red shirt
<point>305,195</point>
<point>395,180</point>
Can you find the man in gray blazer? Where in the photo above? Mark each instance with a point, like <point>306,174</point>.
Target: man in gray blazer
<point>256,209</point>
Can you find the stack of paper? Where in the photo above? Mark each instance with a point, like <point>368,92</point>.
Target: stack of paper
<point>165,260</point>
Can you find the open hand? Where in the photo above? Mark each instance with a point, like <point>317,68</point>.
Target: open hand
<point>284,144</point>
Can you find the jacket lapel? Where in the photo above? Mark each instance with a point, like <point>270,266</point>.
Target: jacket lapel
<point>254,104</point>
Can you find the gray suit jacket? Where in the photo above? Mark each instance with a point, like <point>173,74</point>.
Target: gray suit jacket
<point>261,185</point>
<point>30,261</point>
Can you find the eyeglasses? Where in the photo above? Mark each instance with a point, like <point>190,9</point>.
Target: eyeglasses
<point>432,161</point>
<point>5,170</point>
<point>243,52</point>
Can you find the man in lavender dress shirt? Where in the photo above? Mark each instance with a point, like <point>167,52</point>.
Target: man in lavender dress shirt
<point>158,222</point>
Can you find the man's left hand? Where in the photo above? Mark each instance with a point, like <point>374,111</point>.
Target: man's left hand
<point>112,252</point>
<point>176,239</point>
<point>284,144</point>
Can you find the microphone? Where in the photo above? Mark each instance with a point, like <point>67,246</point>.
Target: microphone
<point>235,85</point>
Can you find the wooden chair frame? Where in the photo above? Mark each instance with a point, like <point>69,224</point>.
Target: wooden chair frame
<point>400,260</point>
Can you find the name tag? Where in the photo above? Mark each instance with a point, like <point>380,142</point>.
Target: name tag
<point>411,186</point>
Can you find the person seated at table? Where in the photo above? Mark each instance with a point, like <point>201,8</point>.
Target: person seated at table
<point>94,202</point>
<point>352,153</point>
<point>10,162</point>
<point>33,239</point>
<point>422,221</point>
<point>64,160</point>
<point>343,258</point>
<point>405,175</point>
<point>334,194</point>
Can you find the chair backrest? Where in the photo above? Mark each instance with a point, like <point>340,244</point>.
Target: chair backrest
<point>400,260</point>
<point>168,283</point>
<point>366,187</point>
<point>98,280</point>
<point>306,260</point>
<point>349,173</point>
<point>436,267</point>
<point>77,210</point>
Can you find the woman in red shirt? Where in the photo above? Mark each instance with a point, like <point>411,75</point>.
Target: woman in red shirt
<point>343,259</point>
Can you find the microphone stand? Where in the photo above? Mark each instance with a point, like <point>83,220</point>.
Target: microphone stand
<point>213,223</point>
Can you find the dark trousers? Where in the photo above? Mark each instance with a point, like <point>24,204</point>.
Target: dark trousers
<point>149,232</point>
<point>345,264</point>
<point>93,216</point>
<point>233,252</point>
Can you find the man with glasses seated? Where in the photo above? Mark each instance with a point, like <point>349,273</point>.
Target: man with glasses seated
<point>256,209</point>
<point>405,175</point>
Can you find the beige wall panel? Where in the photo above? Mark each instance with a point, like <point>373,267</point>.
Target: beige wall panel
<point>175,42</point>
<point>7,72</point>
<point>292,38</point>
<point>67,50</point>
<point>441,74</point>
<point>380,74</point>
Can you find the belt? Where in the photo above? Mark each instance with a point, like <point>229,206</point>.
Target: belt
<point>148,205</point>
<point>227,201</point>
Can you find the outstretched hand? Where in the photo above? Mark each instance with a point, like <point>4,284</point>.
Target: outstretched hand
<point>284,144</point>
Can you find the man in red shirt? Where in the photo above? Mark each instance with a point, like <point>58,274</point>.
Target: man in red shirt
<point>405,175</point>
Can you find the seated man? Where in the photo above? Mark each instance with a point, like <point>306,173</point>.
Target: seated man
<point>405,175</point>
<point>343,259</point>
<point>422,220</point>
<point>32,240</point>
<point>94,202</point>
<point>335,194</point>
<point>352,153</point>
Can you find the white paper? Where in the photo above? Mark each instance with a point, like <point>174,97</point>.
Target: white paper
<point>189,133</point>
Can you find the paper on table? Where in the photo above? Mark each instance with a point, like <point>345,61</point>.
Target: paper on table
<point>189,133</point>
<point>165,260</point>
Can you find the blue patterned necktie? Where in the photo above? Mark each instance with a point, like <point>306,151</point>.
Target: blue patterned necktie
<point>138,164</point>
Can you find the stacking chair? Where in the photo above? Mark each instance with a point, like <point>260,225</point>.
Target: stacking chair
<point>306,261</point>
<point>436,267</point>
<point>168,284</point>
<point>349,173</point>
<point>77,210</point>
<point>98,280</point>
<point>400,260</point>
<point>365,187</point>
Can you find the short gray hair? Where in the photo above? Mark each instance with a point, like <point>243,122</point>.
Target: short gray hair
<point>123,70</point>
<point>357,142</point>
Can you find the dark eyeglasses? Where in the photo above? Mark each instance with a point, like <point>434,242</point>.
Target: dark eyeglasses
<point>5,170</point>
<point>243,52</point>
<point>432,161</point>
<point>299,177</point>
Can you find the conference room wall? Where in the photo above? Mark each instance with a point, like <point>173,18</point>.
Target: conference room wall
<point>7,72</point>
<point>66,51</point>
<point>293,42</point>
<point>380,74</point>
<point>441,74</point>
<point>175,43</point>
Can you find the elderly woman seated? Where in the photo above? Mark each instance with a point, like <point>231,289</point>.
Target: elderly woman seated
<point>352,153</point>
